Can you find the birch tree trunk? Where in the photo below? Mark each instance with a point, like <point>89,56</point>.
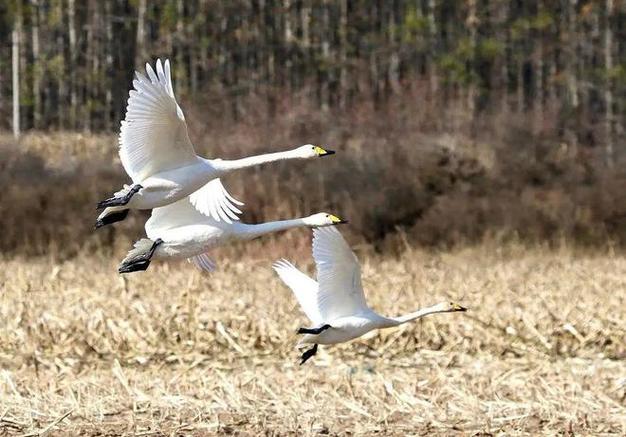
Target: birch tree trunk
<point>71,12</point>
<point>15,37</point>
<point>37,68</point>
<point>140,51</point>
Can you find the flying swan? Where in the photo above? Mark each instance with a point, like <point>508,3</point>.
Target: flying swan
<point>180,231</point>
<point>156,152</point>
<point>335,304</point>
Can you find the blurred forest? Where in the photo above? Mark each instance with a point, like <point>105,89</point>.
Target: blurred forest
<point>565,58</point>
<point>493,114</point>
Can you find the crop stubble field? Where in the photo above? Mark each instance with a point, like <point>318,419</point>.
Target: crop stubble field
<point>175,352</point>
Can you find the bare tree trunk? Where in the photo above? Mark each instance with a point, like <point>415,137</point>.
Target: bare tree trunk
<point>324,91</point>
<point>432,49</point>
<point>472,24</point>
<point>538,94</point>
<point>608,87</point>
<point>180,46</point>
<point>15,37</point>
<point>140,51</point>
<point>37,67</point>
<point>71,11</point>
<point>343,47</point>
<point>572,118</point>
<point>108,67</point>
<point>393,69</point>
<point>61,78</point>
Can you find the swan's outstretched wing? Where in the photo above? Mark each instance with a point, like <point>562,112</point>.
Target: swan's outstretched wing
<point>153,137</point>
<point>175,215</point>
<point>303,287</point>
<point>178,215</point>
<point>214,201</point>
<point>338,274</point>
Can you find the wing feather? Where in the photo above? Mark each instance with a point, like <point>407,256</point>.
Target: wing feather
<point>203,262</point>
<point>214,201</point>
<point>153,136</point>
<point>175,215</point>
<point>303,287</point>
<point>338,274</point>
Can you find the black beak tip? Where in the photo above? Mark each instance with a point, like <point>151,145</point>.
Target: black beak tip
<point>343,222</point>
<point>463,309</point>
<point>328,152</point>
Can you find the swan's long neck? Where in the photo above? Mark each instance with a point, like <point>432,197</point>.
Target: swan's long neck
<point>395,321</point>
<point>254,231</point>
<point>226,166</point>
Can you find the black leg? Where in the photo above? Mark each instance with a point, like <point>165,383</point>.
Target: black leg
<point>120,201</point>
<point>154,246</point>
<point>111,218</point>
<point>308,354</point>
<point>141,262</point>
<point>135,266</point>
<point>315,331</point>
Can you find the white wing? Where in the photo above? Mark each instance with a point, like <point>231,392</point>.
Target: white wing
<point>175,215</point>
<point>303,287</point>
<point>214,201</point>
<point>203,262</point>
<point>179,214</point>
<point>153,137</point>
<point>338,274</point>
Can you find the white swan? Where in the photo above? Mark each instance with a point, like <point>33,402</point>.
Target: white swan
<point>180,231</point>
<point>335,303</point>
<point>158,156</point>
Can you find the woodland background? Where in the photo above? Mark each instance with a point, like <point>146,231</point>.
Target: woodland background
<point>455,121</point>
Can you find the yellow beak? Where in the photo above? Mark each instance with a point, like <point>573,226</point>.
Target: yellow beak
<point>323,152</point>
<point>336,220</point>
<point>457,307</point>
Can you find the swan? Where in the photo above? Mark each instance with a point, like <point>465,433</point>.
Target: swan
<point>335,303</point>
<point>157,154</point>
<point>180,231</point>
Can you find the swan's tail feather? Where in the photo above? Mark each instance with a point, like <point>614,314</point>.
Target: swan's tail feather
<point>138,258</point>
<point>111,215</point>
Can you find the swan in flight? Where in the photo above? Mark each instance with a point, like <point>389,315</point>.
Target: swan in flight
<point>180,231</point>
<point>157,154</point>
<point>335,303</point>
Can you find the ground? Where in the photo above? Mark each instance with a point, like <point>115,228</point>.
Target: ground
<point>173,351</point>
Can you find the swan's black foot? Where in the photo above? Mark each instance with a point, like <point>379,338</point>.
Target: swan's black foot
<point>308,354</point>
<point>139,262</point>
<point>111,218</point>
<point>315,331</point>
<point>120,201</point>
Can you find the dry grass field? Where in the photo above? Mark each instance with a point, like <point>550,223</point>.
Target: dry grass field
<point>172,351</point>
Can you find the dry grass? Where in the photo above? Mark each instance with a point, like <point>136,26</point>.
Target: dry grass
<point>175,352</point>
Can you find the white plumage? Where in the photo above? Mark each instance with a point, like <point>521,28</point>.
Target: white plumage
<point>335,303</point>
<point>183,232</point>
<point>157,154</point>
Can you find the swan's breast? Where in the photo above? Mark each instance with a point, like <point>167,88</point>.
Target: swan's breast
<point>346,329</point>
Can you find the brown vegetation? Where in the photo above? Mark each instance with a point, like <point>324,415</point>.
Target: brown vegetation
<point>176,352</point>
<point>393,172</point>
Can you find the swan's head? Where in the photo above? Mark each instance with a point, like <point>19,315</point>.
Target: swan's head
<point>448,307</point>
<point>323,219</point>
<point>311,151</point>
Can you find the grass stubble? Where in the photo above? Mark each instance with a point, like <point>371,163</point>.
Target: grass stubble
<point>172,351</point>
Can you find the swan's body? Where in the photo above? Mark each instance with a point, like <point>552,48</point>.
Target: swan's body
<point>180,231</point>
<point>158,155</point>
<point>335,303</point>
